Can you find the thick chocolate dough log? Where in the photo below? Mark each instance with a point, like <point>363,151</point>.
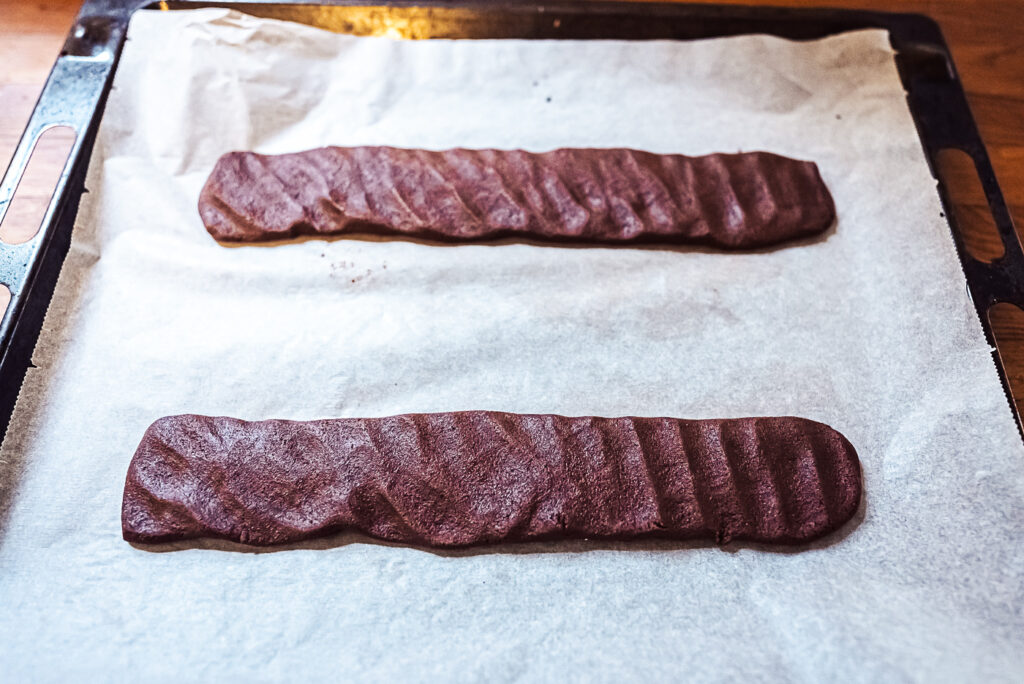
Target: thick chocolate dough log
<point>476,477</point>
<point>585,195</point>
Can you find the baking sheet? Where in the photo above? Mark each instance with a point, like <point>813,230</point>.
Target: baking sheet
<point>869,330</point>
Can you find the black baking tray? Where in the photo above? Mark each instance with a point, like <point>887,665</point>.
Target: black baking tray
<point>76,91</point>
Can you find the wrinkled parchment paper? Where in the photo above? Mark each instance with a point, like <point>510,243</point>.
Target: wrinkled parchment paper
<point>869,329</point>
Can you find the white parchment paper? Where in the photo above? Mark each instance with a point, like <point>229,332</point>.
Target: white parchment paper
<point>869,330</point>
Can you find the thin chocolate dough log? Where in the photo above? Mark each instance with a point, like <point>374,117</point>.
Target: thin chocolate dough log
<point>480,477</point>
<point>736,201</point>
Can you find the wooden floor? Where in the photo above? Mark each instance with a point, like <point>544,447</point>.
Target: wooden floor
<point>984,36</point>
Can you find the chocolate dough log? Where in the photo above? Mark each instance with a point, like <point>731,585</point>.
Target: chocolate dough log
<point>586,195</point>
<point>476,477</point>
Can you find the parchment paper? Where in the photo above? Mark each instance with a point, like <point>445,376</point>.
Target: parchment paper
<point>869,330</point>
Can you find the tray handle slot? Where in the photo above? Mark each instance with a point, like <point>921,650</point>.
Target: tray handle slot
<point>23,218</point>
<point>73,96</point>
<point>1000,279</point>
<point>959,176</point>
<point>943,117</point>
<point>70,98</point>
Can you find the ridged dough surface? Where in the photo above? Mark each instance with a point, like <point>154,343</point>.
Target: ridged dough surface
<point>735,201</point>
<point>481,477</point>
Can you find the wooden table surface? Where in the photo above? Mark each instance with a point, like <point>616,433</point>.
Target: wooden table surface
<point>983,36</point>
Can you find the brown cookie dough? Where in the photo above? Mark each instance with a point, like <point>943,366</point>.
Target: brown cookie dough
<point>479,477</point>
<point>736,201</point>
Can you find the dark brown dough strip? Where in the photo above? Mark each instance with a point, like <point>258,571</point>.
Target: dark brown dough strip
<point>737,201</point>
<point>478,477</point>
